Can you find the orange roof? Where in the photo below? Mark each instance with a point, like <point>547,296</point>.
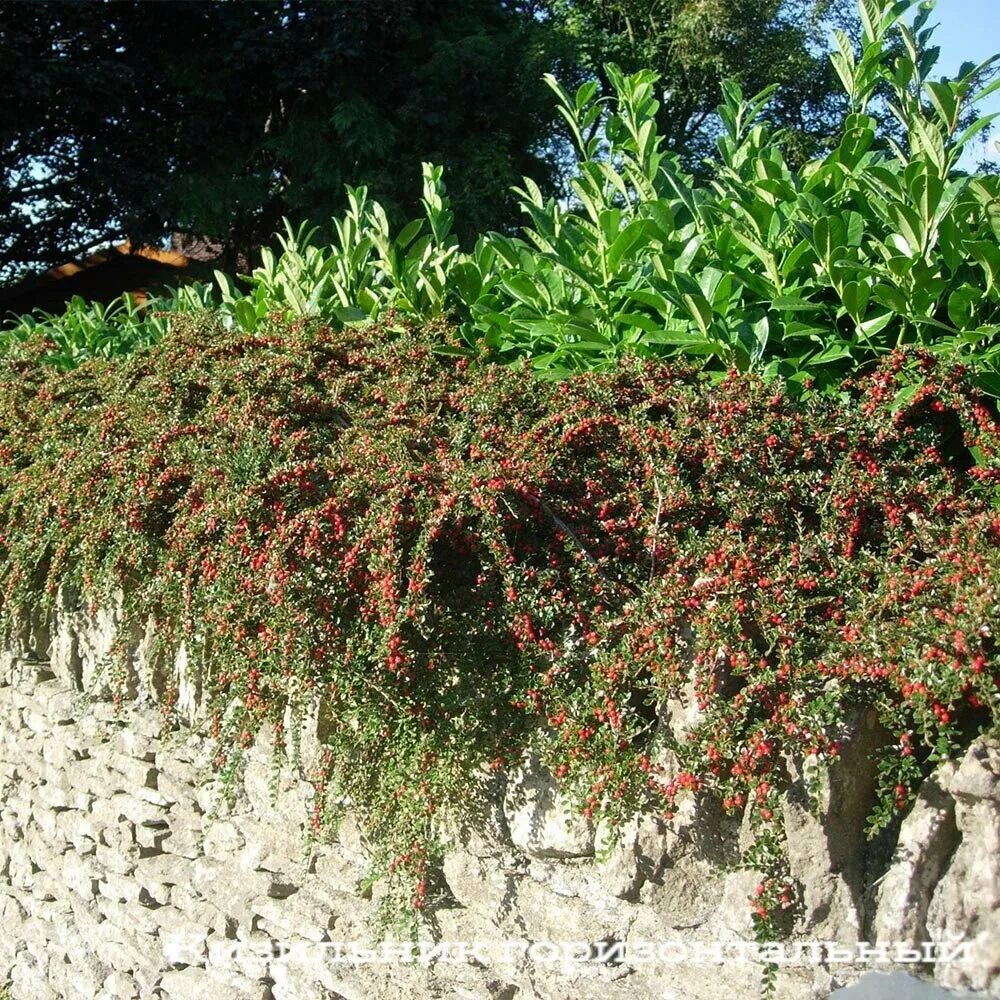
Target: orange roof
<point>168,258</point>
<point>101,277</point>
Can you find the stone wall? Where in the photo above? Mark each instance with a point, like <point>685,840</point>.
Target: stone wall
<point>124,874</point>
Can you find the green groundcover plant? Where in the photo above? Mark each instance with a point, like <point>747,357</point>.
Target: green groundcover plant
<point>806,272</point>
<point>463,562</point>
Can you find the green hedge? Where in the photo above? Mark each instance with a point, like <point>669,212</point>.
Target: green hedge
<point>804,271</point>
<point>466,562</point>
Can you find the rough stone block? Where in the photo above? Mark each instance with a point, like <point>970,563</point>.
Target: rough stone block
<point>540,820</point>
<point>179,792</point>
<point>222,839</point>
<point>298,916</point>
<point>130,774</point>
<point>118,986</point>
<point>120,861</point>
<point>131,917</point>
<point>199,984</point>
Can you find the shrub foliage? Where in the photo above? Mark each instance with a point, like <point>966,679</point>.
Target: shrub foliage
<point>466,562</point>
<point>806,271</point>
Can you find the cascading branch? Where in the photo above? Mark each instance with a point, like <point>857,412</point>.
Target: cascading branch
<point>465,562</point>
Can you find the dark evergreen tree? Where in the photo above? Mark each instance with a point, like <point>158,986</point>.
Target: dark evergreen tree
<point>130,118</point>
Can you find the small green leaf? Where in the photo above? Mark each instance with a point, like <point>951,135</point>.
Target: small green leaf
<point>789,303</point>
<point>649,298</point>
<point>946,102</point>
<point>350,315</point>
<point>695,301</point>
<point>409,233</point>
<point>836,352</point>
<point>635,235</point>
<point>522,288</point>
<point>962,305</point>
<point>876,324</point>
<point>641,321</point>
<point>891,297</point>
<point>989,382</point>
<point>855,296</point>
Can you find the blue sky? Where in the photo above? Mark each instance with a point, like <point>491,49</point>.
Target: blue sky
<point>969,30</point>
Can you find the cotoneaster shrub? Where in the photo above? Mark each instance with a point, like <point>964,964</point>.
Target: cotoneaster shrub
<point>466,562</point>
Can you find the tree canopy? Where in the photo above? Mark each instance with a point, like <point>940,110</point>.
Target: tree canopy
<point>124,118</point>
<point>218,118</point>
<point>695,44</point>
